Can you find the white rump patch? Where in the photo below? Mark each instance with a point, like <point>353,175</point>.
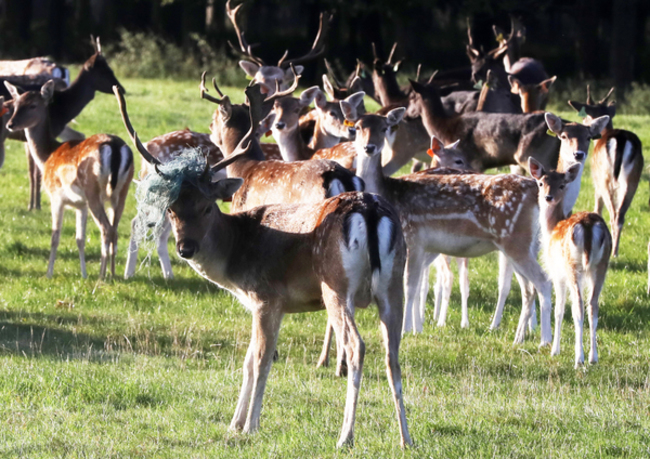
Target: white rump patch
<point>358,183</point>
<point>355,254</point>
<point>335,188</point>
<point>384,234</point>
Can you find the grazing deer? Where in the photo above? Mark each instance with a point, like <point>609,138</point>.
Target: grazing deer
<point>339,255</point>
<point>81,174</point>
<point>271,182</point>
<point>95,75</point>
<point>616,164</point>
<point>576,252</point>
<point>275,78</point>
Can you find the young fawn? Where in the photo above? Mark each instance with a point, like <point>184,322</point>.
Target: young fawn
<point>80,174</point>
<point>576,253</point>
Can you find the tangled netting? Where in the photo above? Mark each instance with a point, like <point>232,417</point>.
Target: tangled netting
<point>156,192</point>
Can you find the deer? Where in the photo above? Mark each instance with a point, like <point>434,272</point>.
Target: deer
<point>464,215</point>
<point>577,249</point>
<point>616,164</point>
<point>79,174</point>
<point>274,78</point>
<point>270,182</point>
<point>338,254</point>
<point>331,127</point>
<point>95,75</point>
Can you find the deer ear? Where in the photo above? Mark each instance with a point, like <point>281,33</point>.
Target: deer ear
<point>514,84</point>
<point>288,74</point>
<point>266,124</point>
<point>47,90</point>
<point>349,105</point>
<point>249,67</point>
<point>553,122</point>
<point>225,188</point>
<point>546,84</point>
<point>536,169</point>
<point>598,125</point>
<point>394,116</point>
<point>573,172</point>
<point>225,109</point>
<point>308,95</point>
<point>12,90</point>
<point>436,146</point>
<point>327,86</point>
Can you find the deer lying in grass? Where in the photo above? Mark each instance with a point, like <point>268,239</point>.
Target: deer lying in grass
<point>339,254</point>
<point>271,182</point>
<point>82,174</point>
<point>95,75</point>
<point>616,164</point>
<point>576,253</point>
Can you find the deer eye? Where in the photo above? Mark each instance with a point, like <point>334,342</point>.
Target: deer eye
<point>540,184</point>
<point>563,136</point>
<point>333,115</point>
<point>458,161</point>
<point>169,210</point>
<point>561,187</point>
<point>208,210</point>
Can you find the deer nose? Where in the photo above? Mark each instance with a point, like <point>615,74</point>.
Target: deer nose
<point>549,198</point>
<point>579,155</point>
<point>187,248</point>
<point>370,149</point>
<point>280,125</point>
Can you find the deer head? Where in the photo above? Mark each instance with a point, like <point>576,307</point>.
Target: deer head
<point>591,110</point>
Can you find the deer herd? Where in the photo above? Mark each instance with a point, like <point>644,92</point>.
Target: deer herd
<point>317,222</point>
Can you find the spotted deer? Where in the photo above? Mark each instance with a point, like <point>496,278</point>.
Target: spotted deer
<point>616,164</point>
<point>577,249</point>
<point>80,174</point>
<point>270,182</point>
<point>94,76</point>
<point>339,254</point>
<point>279,77</point>
<point>331,127</point>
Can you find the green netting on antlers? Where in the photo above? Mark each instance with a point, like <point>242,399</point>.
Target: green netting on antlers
<point>157,191</point>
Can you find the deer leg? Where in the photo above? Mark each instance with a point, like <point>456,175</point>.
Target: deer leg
<point>341,314</point>
<point>412,278</point>
<point>163,251</point>
<point>132,254</point>
<point>648,290</point>
<point>390,314</point>
<point>438,287</point>
<point>617,228</point>
<point>239,418</point>
<point>447,284</point>
<point>528,294</point>
<point>560,303</point>
<point>57,223</point>
<point>106,229</point>
<point>117,206</point>
<point>266,328</point>
<point>532,271</point>
<point>505,281</point>
<point>577,309</point>
<point>597,285</point>
<point>82,219</point>
<point>324,359</point>
<point>599,203</point>
<point>463,279</point>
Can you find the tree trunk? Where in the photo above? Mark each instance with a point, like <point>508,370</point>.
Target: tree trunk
<point>623,42</point>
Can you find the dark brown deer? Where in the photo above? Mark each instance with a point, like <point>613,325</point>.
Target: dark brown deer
<point>337,255</point>
<point>81,174</point>
<point>616,164</point>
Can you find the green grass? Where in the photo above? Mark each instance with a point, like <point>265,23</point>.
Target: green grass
<point>149,368</point>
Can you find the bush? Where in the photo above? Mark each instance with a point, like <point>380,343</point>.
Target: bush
<point>142,55</point>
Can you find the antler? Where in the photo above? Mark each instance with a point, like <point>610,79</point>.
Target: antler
<point>244,48</point>
<point>204,91</point>
<point>331,73</point>
<point>433,75</point>
<point>589,100</point>
<point>287,92</point>
<point>96,44</point>
<point>602,102</point>
<point>317,48</point>
<point>392,51</point>
<point>132,134</point>
<point>469,33</point>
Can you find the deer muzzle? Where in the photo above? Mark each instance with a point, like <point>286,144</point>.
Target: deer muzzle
<point>187,248</point>
<point>579,155</point>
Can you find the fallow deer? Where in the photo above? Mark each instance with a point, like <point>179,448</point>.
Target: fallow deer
<point>339,255</point>
<point>82,174</point>
<point>270,182</point>
<point>616,164</point>
<point>95,75</point>
<point>576,253</point>
<point>269,77</point>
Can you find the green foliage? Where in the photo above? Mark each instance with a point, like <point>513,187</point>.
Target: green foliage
<point>142,55</point>
<point>152,368</point>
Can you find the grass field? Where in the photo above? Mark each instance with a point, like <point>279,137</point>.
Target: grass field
<point>149,368</point>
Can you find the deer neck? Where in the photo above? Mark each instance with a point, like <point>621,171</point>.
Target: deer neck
<point>253,156</point>
<point>41,142</point>
<point>216,251</point>
<point>437,122</point>
<point>68,103</point>
<point>572,189</point>
<point>322,138</point>
<point>292,146</point>
<point>370,171</point>
<point>549,219</point>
